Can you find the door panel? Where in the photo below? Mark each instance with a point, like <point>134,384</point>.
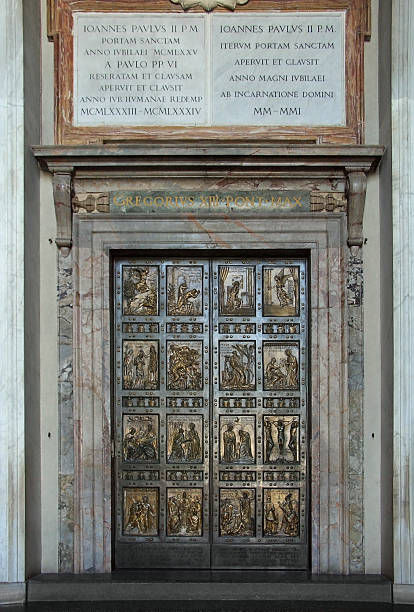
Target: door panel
<point>259,414</point>
<point>210,413</point>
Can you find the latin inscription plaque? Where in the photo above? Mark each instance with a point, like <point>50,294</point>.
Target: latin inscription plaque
<point>140,69</point>
<point>148,69</point>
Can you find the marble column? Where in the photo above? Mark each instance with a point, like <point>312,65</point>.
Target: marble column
<point>403,234</point>
<point>12,514</point>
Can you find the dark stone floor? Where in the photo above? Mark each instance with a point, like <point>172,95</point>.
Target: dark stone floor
<point>210,607</point>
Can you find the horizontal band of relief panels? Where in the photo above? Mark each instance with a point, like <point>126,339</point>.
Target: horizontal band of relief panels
<point>265,510</point>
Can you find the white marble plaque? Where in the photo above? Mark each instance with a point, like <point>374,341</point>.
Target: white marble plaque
<point>279,69</point>
<point>269,68</point>
<point>140,69</point>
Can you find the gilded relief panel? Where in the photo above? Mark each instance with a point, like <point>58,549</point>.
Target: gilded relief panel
<point>185,291</point>
<point>185,365</point>
<point>140,364</point>
<point>237,366</point>
<point>184,438</point>
<point>281,366</point>
<point>281,291</point>
<point>237,512</point>
<point>141,510</point>
<point>237,291</point>
<point>185,512</point>
<point>140,290</point>
<point>238,439</point>
<point>281,512</point>
<point>140,438</point>
<point>281,439</point>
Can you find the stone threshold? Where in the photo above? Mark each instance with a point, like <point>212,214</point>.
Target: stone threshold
<point>204,585</point>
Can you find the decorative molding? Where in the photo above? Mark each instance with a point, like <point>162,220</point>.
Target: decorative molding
<point>210,5</point>
<point>91,203</point>
<point>62,194</point>
<point>327,202</point>
<point>356,192</point>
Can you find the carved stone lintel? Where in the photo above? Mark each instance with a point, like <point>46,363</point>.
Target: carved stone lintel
<point>356,191</point>
<point>210,5</point>
<point>62,193</point>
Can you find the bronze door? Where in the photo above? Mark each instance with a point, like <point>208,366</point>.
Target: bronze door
<point>210,413</point>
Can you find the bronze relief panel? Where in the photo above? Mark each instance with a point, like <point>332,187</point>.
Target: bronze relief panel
<point>185,365</point>
<point>237,512</point>
<point>281,439</point>
<point>185,512</point>
<point>140,364</point>
<point>237,291</point>
<point>281,291</point>
<point>237,366</point>
<point>238,439</point>
<point>184,438</point>
<point>281,366</point>
<point>140,290</point>
<point>140,438</point>
<point>184,291</point>
<point>141,511</point>
<point>281,512</point>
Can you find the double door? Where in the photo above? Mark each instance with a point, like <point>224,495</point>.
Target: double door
<point>210,413</point>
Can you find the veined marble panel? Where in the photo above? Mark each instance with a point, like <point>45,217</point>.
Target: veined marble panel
<point>12,513</point>
<point>403,230</point>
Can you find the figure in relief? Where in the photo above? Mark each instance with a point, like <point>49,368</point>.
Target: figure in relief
<point>194,444</point>
<point>210,5</point>
<point>229,444</point>
<point>281,435</point>
<point>293,439</point>
<point>271,517</point>
<point>233,299</point>
<point>290,521</point>
<point>269,442</point>
<point>140,286</point>
<point>184,512</point>
<point>245,446</point>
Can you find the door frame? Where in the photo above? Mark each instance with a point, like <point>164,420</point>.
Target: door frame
<point>323,236</point>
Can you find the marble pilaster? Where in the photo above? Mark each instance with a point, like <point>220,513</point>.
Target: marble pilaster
<point>403,232</point>
<point>12,499</point>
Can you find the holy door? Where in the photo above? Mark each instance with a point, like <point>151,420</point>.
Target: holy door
<point>210,413</point>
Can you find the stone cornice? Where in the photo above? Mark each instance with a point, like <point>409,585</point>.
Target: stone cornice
<point>176,158</point>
